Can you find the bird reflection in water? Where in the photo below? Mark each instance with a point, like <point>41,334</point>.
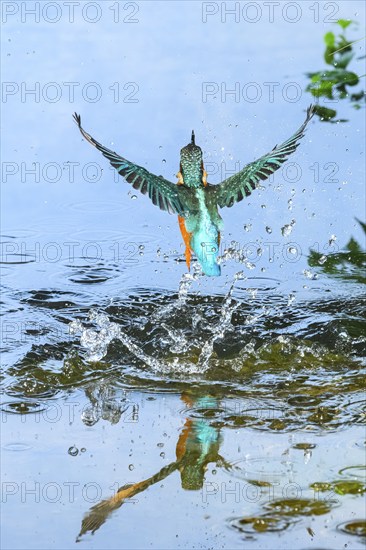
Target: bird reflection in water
<point>198,445</point>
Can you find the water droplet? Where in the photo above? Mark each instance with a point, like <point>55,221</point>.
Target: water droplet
<point>269,229</point>
<point>292,250</point>
<point>332,240</point>
<point>248,227</point>
<point>322,259</point>
<point>141,247</point>
<point>287,229</point>
<point>162,454</point>
<point>263,206</point>
<point>252,292</point>
<point>309,274</point>
<point>133,197</point>
<point>290,203</point>
<point>160,445</point>
<point>73,451</point>
<point>131,467</point>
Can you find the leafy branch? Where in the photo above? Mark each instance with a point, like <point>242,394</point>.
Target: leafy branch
<point>335,83</point>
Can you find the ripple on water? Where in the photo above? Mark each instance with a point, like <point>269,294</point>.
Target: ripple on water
<point>84,272</point>
<point>17,447</point>
<point>52,299</point>
<point>301,507</point>
<point>265,523</point>
<point>264,471</point>
<point>97,207</point>
<point>93,274</point>
<point>340,487</point>
<point>262,417</point>
<point>355,472</point>
<point>23,407</point>
<point>100,235</point>
<point>262,284</point>
<point>17,258</point>
<point>304,446</point>
<point>355,527</point>
<point>20,234</point>
<point>5,271</point>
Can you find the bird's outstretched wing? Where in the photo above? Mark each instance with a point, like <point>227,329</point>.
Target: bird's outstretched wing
<point>240,185</point>
<point>163,193</point>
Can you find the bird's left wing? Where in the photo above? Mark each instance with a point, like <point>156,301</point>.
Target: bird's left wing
<point>163,193</point>
<point>240,185</point>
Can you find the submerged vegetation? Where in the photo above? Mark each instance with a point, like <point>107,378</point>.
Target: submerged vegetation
<point>337,82</point>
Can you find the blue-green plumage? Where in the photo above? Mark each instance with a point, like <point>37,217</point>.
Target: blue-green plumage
<point>194,200</point>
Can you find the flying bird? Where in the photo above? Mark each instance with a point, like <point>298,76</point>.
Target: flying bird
<point>193,199</point>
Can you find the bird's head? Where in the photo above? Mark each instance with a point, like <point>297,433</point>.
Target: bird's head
<point>191,164</point>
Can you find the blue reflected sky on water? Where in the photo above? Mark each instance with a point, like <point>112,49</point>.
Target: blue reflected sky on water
<point>169,54</point>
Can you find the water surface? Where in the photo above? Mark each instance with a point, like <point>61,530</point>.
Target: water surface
<point>142,407</point>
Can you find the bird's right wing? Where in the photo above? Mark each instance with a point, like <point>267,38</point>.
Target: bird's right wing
<point>163,193</point>
<point>240,185</point>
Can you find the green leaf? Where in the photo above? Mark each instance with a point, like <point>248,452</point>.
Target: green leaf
<point>322,89</point>
<point>329,55</point>
<point>344,23</point>
<point>329,39</point>
<point>348,78</point>
<point>353,246</point>
<point>362,224</point>
<point>324,113</point>
<point>342,60</point>
<point>358,96</point>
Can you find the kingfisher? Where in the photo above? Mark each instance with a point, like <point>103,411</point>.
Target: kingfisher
<point>195,201</point>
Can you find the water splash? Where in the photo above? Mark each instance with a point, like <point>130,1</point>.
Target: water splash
<point>227,310</point>
<point>105,403</point>
<point>234,253</point>
<point>185,284</point>
<point>96,341</point>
